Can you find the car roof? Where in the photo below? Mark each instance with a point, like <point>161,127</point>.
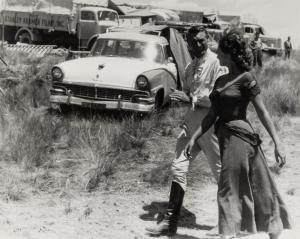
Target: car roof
<point>134,36</point>
<point>96,9</point>
<point>251,25</point>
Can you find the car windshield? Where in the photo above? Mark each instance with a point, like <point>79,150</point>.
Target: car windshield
<point>128,48</point>
<point>107,16</point>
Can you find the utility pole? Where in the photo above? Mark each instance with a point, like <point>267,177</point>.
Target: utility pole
<point>2,29</point>
<point>79,25</point>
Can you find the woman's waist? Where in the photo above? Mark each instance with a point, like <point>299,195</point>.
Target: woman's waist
<point>235,122</point>
<point>240,128</point>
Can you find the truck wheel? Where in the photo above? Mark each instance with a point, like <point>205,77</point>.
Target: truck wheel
<point>24,37</point>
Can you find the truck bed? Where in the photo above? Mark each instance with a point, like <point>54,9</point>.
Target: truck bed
<point>36,19</point>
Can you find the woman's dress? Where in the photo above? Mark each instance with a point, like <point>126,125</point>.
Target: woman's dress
<point>247,195</point>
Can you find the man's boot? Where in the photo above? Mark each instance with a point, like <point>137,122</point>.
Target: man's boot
<point>168,226</point>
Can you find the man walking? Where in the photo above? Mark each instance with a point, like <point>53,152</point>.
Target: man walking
<point>256,47</point>
<point>200,76</point>
<point>287,48</point>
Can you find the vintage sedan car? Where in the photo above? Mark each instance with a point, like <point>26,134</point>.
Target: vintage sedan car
<point>127,71</point>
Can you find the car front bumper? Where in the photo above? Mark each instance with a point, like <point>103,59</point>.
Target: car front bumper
<point>145,105</point>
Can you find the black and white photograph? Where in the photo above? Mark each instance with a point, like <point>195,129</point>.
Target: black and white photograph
<point>140,119</point>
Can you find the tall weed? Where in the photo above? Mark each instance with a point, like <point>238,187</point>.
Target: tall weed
<point>29,133</point>
<point>280,82</point>
<point>30,136</point>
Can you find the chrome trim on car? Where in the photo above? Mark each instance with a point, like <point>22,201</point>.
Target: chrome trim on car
<point>102,104</point>
<point>99,93</point>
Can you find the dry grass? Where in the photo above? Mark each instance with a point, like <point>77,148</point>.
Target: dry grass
<point>280,82</point>
<point>30,135</point>
<point>61,153</point>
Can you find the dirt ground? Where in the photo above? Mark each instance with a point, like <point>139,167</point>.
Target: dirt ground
<point>127,211</point>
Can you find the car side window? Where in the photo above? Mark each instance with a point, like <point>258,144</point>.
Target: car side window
<point>87,16</point>
<point>107,15</point>
<point>167,52</point>
<point>109,47</point>
<point>248,30</point>
<point>159,56</point>
<point>137,50</point>
<point>124,48</point>
<point>104,47</point>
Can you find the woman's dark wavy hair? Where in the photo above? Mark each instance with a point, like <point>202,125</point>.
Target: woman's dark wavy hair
<point>232,42</point>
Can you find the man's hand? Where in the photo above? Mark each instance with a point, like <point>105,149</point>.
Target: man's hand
<point>178,95</point>
<point>203,101</point>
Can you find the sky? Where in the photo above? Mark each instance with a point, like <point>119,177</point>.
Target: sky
<point>280,18</point>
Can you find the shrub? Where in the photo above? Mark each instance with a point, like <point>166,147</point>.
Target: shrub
<point>280,82</point>
<point>282,96</point>
<point>102,141</point>
<point>30,135</point>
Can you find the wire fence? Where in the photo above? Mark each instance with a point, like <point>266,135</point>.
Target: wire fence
<point>32,50</point>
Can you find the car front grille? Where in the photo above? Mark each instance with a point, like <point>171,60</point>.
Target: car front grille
<point>100,93</point>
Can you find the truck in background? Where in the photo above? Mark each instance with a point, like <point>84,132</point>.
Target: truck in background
<point>271,45</point>
<point>217,23</point>
<point>75,30</point>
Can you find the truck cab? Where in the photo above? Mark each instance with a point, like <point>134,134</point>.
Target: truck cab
<point>271,45</point>
<point>94,20</point>
<point>251,29</point>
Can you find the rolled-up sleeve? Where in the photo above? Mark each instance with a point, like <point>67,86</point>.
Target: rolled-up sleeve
<point>251,86</point>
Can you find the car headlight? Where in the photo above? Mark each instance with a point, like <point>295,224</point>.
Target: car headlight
<point>57,74</point>
<point>142,83</point>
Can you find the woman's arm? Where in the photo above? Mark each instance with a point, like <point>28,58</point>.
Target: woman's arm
<point>265,118</point>
<point>207,122</point>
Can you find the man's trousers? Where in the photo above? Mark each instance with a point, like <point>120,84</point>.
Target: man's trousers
<point>208,143</point>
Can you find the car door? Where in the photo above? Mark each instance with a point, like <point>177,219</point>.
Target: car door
<point>88,24</point>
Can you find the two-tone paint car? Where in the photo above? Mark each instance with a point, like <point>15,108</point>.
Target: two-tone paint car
<point>128,71</point>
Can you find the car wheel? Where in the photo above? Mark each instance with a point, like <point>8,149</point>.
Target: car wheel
<point>159,99</point>
<point>65,109</point>
<point>24,38</point>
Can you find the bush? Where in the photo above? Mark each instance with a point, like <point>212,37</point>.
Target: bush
<point>282,96</point>
<point>102,141</point>
<point>30,136</point>
<point>27,129</point>
<point>280,82</point>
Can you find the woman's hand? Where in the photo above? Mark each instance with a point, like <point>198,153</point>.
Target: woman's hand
<point>188,148</point>
<point>265,118</point>
<point>280,155</point>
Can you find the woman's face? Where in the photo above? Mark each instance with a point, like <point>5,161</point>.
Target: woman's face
<point>224,58</point>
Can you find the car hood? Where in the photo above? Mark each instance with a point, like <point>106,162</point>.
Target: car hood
<point>106,71</point>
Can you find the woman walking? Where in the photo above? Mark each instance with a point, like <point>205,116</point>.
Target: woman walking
<point>247,196</point>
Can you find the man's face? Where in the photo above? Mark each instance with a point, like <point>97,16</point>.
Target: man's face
<point>199,44</point>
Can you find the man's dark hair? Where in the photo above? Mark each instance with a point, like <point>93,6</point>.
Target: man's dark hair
<point>194,30</point>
